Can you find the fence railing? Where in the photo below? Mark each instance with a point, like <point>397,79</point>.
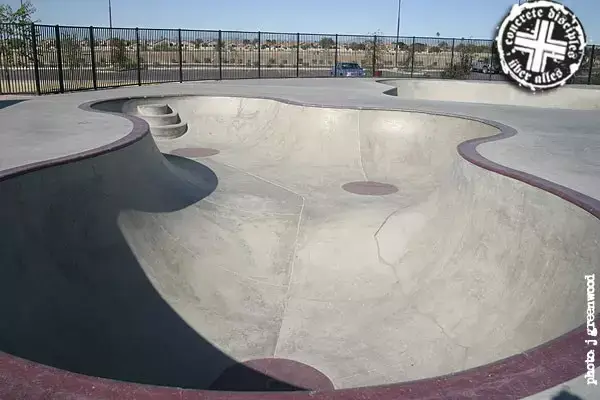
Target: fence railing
<point>54,59</point>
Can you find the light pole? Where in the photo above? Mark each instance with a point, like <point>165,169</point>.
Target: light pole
<point>110,35</point>
<point>109,14</point>
<point>398,30</point>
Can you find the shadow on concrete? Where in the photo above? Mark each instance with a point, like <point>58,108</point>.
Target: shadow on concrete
<point>240,378</point>
<point>72,293</point>
<point>565,395</point>
<point>8,103</point>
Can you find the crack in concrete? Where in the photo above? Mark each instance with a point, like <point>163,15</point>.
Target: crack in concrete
<point>379,256</point>
<point>294,249</point>
<point>435,321</point>
<point>465,357</point>
<point>376,370</point>
<point>291,275</point>
<point>360,154</point>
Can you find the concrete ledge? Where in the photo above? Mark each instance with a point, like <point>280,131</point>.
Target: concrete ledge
<point>140,129</point>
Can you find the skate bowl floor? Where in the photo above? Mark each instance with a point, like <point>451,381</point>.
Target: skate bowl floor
<point>356,253</point>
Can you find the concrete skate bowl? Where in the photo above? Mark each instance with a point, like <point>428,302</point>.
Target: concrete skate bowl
<point>132,273</point>
<point>573,97</point>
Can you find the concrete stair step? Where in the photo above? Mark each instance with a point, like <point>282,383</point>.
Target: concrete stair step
<point>162,120</point>
<point>171,131</point>
<point>154,109</point>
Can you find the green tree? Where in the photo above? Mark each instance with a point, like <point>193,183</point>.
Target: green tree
<point>464,53</point>
<point>73,59</point>
<point>495,54</point>
<point>326,43</point>
<point>164,46</point>
<point>118,53</point>
<point>15,29</point>
<point>584,71</point>
<point>420,47</point>
<point>375,48</point>
<point>358,46</point>
<point>401,46</point>
<point>460,69</point>
<point>71,52</point>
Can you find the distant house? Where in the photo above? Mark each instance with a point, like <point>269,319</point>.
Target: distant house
<point>188,45</point>
<point>162,44</point>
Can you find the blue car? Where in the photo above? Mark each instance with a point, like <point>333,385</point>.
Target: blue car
<point>347,69</point>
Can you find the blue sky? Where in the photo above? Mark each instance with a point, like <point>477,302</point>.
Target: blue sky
<point>452,18</point>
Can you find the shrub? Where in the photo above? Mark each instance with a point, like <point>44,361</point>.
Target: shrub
<point>459,70</point>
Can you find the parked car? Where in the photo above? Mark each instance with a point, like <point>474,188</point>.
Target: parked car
<point>485,67</point>
<point>347,69</point>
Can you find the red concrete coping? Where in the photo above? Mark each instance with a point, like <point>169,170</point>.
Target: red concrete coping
<point>518,376</point>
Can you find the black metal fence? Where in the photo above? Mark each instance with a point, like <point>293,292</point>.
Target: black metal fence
<point>55,59</point>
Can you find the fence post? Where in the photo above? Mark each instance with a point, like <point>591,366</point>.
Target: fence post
<point>491,61</point>
<point>138,56</point>
<point>220,42</point>
<point>259,54</point>
<point>412,61</point>
<point>93,58</point>
<point>452,55</point>
<point>61,78</point>
<point>298,55</point>
<point>36,65</point>
<point>335,58</point>
<point>2,75</point>
<point>180,54</point>
<point>592,55</point>
<point>374,53</point>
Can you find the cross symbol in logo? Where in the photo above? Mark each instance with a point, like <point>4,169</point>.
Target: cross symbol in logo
<point>540,46</point>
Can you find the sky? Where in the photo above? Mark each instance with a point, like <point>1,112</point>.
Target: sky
<point>475,19</point>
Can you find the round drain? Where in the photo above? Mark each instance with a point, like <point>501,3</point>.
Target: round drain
<point>194,152</point>
<point>369,188</point>
<point>271,375</point>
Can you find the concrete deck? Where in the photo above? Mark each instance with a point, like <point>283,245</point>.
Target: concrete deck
<point>167,261</point>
